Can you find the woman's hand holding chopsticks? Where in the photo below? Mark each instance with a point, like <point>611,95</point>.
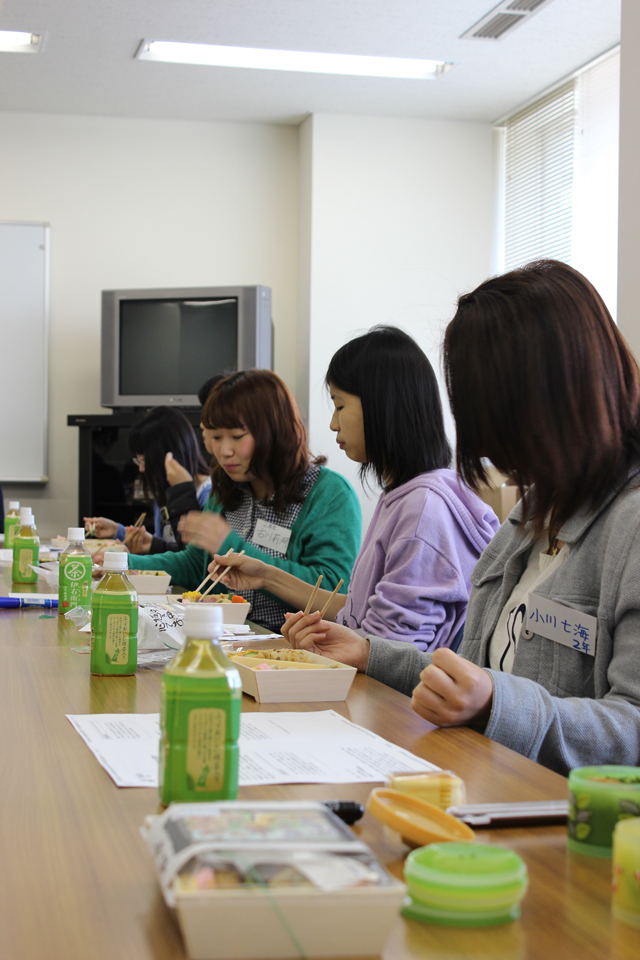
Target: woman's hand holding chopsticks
<point>310,632</point>
<point>245,573</point>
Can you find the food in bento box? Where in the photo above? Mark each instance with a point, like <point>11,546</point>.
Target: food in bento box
<point>296,656</point>
<point>281,660</point>
<point>148,573</point>
<point>192,596</point>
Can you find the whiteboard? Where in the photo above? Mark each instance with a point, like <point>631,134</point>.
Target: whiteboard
<point>24,351</point>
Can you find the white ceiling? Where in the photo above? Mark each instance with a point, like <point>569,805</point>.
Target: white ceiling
<point>87,65</point>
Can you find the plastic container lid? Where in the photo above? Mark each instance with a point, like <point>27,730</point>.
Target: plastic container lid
<point>418,821</point>
<point>116,560</point>
<point>464,884</point>
<point>14,504</point>
<point>75,533</point>
<point>202,621</point>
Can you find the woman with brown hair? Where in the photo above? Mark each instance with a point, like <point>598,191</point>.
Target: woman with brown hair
<point>268,496</point>
<point>543,385</point>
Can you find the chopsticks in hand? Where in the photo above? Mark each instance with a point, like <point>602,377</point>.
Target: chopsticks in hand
<point>217,567</point>
<point>139,521</point>
<point>218,579</point>
<point>313,596</point>
<point>326,606</point>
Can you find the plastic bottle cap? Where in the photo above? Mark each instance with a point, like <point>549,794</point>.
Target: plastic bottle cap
<point>26,512</point>
<point>116,560</point>
<point>27,520</point>
<point>202,621</point>
<point>14,504</point>
<point>75,533</point>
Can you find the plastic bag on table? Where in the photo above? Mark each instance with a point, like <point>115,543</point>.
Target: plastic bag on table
<point>51,573</point>
<point>78,616</point>
<point>160,626</point>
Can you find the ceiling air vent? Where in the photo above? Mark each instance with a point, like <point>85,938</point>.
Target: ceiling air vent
<point>503,18</point>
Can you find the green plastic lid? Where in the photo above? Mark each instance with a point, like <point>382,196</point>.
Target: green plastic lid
<point>464,884</point>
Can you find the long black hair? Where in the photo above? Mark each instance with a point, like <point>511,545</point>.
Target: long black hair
<point>403,424</point>
<point>159,432</point>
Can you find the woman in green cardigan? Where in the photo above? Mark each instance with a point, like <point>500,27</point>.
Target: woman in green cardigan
<point>268,497</point>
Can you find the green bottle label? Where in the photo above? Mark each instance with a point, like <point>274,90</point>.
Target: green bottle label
<point>205,749</point>
<point>200,725</point>
<point>10,524</point>
<point>114,633</point>
<point>75,582</point>
<point>26,551</point>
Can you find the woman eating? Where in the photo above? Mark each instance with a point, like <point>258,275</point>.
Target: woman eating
<point>269,497</point>
<point>174,477</point>
<point>541,383</point>
<point>410,581</point>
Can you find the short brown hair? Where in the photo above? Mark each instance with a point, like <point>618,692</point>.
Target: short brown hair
<point>542,383</point>
<point>261,402</point>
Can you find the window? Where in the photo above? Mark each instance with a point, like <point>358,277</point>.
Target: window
<point>559,177</point>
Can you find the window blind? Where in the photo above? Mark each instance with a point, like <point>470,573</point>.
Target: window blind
<point>538,184</point>
<point>595,192</point>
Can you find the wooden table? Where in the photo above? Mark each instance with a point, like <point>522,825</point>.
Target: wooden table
<point>76,882</point>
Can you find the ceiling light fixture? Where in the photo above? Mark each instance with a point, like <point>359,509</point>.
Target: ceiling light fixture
<point>17,41</point>
<point>254,58</point>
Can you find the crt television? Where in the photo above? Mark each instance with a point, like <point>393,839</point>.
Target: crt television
<point>160,346</point>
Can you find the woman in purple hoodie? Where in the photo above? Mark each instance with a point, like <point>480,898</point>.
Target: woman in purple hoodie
<point>411,578</point>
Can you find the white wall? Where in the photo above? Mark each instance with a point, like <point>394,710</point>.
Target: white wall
<point>629,196</point>
<point>400,225</point>
<point>142,203</point>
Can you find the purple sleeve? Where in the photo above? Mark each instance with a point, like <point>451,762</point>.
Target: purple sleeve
<point>422,597</point>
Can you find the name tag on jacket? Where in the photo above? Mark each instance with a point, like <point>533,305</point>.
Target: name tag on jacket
<point>552,620</point>
<point>271,536</point>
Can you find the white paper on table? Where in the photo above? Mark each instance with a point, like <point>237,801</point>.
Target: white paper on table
<point>315,747</point>
<point>125,744</point>
<point>6,556</point>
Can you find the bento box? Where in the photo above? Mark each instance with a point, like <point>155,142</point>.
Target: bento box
<point>97,546</point>
<point>271,880</point>
<point>233,611</point>
<point>149,582</point>
<point>302,676</point>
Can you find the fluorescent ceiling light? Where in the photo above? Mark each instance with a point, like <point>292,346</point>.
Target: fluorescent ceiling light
<point>253,58</point>
<point>16,41</point>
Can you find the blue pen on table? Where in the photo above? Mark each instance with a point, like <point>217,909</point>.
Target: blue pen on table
<point>27,602</point>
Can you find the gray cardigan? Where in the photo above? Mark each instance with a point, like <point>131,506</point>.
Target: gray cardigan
<point>559,706</point>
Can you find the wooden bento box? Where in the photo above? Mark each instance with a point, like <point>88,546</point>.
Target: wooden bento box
<point>318,679</point>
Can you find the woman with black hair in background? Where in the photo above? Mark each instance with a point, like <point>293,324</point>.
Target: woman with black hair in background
<point>174,476</point>
<point>410,580</point>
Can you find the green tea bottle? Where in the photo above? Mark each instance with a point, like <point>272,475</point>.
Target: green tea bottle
<point>114,620</point>
<point>200,699</point>
<point>11,522</point>
<point>75,573</point>
<point>26,548</point>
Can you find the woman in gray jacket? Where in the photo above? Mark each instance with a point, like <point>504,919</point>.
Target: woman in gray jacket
<point>543,385</point>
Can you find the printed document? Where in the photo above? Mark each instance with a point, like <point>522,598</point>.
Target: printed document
<point>310,747</point>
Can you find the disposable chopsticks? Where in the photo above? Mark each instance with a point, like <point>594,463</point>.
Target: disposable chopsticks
<point>217,580</point>
<point>326,606</point>
<point>313,596</point>
<point>139,521</point>
<point>209,575</point>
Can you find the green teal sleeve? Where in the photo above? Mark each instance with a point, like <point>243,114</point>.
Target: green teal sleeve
<point>324,539</point>
<point>188,567</point>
